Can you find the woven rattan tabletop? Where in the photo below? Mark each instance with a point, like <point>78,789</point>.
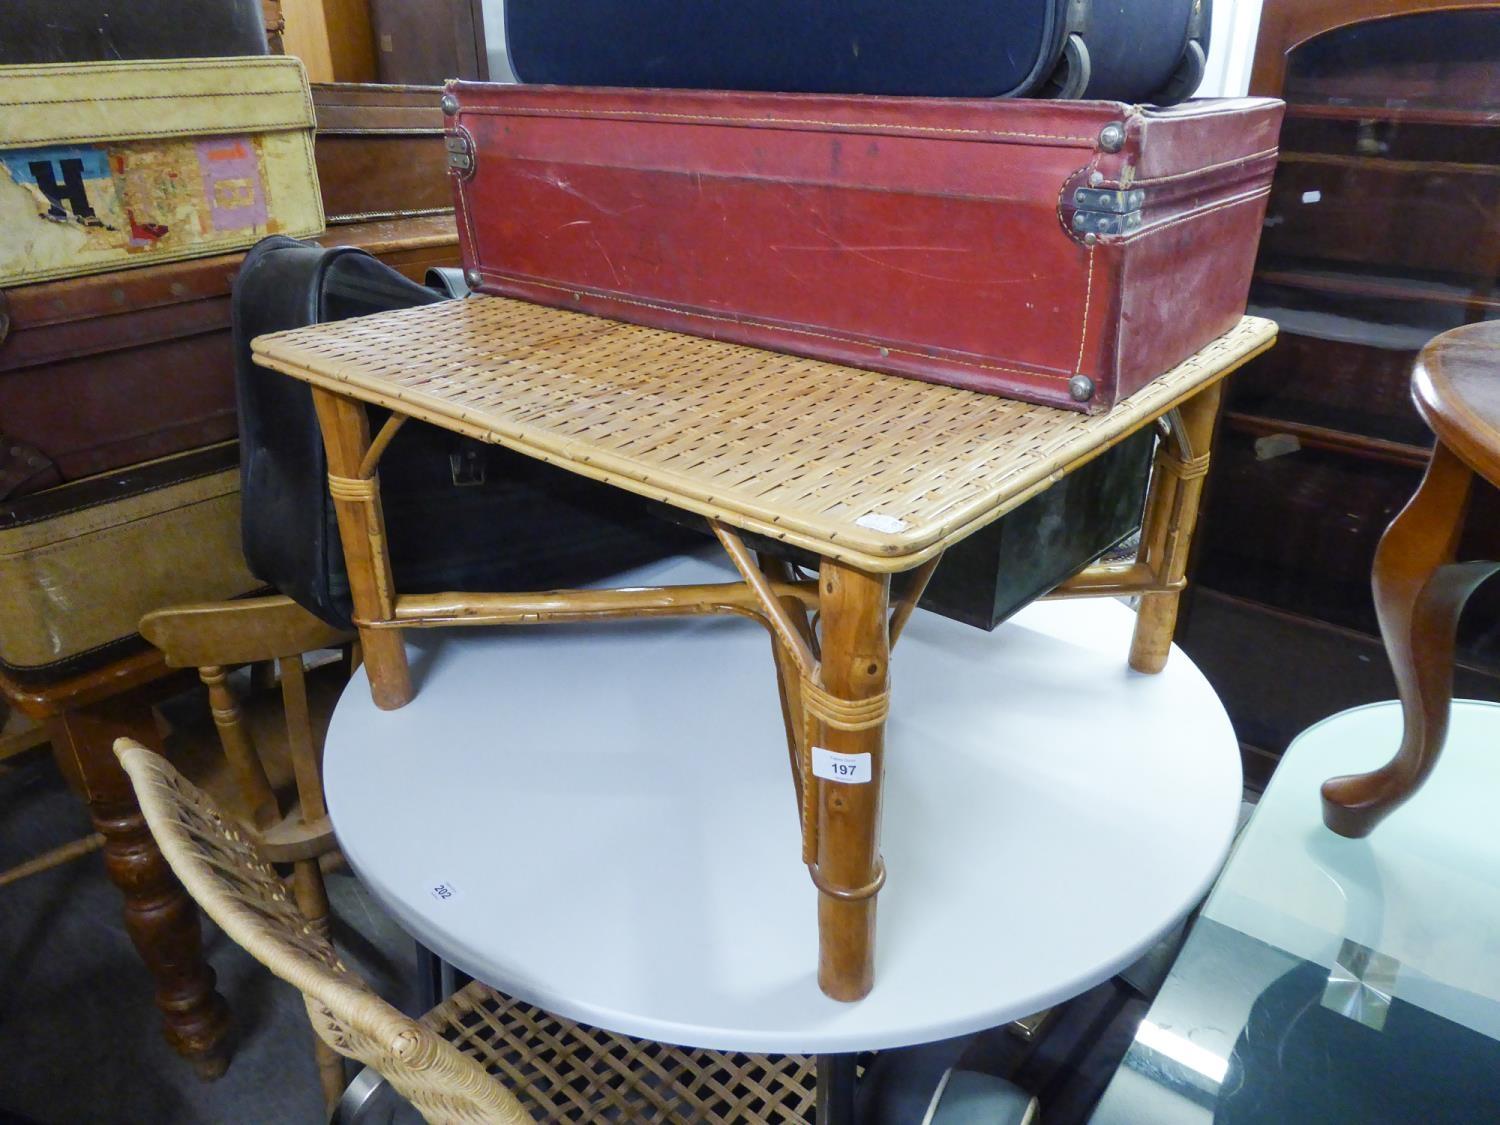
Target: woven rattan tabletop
<point>875,470</point>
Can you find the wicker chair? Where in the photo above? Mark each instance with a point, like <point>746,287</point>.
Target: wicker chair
<point>477,1057</point>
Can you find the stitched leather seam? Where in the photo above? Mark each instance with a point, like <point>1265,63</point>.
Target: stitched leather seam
<point>872,127</point>
<point>467,211</point>
<point>1206,168</point>
<point>103,533</point>
<point>72,657</point>
<point>232,131</point>
<point>1088,293</point>
<point>1250,198</point>
<point>173,483</point>
<point>155,97</point>
<point>780,328</point>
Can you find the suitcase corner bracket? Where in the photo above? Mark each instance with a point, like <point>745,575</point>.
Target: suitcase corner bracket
<point>460,148</point>
<point>1106,210</point>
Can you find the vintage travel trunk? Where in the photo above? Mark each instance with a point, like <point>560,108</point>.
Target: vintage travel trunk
<point>105,165</point>
<point>1059,252</point>
<point>101,372</point>
<point>80,564</point>
<point>380,151</point>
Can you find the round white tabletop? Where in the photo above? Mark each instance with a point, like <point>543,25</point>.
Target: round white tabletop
<point>599,819</point>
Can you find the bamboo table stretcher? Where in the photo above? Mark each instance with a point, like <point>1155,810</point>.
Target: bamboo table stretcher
<point>875,474</point>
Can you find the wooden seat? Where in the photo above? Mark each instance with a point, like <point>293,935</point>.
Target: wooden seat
<point>1420,580</point>
<point>479,1055</point>
<point>263,743</point>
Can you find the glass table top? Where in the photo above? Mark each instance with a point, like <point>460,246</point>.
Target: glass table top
<point>1331,980</point>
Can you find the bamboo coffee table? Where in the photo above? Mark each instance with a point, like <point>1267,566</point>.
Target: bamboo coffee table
<point>873,473</point>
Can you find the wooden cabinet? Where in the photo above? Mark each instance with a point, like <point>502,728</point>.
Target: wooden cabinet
<point>1383,230</point>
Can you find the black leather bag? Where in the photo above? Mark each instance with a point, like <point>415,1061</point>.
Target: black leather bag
<point>1127,50</point>
<point>460,515</point>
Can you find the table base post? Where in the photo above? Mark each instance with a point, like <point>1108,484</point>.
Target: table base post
<point>1167,529</point>
<point>855,668</point>
<point>836,1081</point>
<point>356,500</point>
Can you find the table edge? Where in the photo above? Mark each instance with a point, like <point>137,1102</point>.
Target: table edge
<point>881,553</point>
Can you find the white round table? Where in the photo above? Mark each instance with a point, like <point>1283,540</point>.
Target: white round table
<point>600,820</point>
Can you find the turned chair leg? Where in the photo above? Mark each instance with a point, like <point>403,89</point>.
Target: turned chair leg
<point>1419,593</point>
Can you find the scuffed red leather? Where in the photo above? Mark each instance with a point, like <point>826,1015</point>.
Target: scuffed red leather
<point>924,237</point>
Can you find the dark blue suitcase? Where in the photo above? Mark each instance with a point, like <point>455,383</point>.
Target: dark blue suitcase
<point>1123,50</point>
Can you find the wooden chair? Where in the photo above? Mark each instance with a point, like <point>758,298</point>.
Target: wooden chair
<point>478,1056</point>
<point>215,638</point>
<point>1420,581</point>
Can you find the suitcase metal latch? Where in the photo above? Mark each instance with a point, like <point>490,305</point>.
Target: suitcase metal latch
<point>468,467</point>
<point>460,152</point>
<point>1105,211</point>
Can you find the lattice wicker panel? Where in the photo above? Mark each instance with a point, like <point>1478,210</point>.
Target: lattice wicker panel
<point>874,469</point>
<point>568,1072</point>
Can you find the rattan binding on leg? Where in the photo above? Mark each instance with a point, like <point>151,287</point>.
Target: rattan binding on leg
<point>455,1064</point>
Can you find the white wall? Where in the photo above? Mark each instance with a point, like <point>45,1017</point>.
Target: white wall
<point>1231,49</point>
<point>494,41</point>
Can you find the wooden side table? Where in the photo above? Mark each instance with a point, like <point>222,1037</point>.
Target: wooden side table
<point>874,474</point>
<point>1421,583</point>
<point>83,716</point>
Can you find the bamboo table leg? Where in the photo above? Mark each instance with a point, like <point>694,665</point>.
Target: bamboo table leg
<point>160,917</point>
<point>1167,530</point>
<point>356,500</point>
<point>855,668</point>
<point>1420,590</point>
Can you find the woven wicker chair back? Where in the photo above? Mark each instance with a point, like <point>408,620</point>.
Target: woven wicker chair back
<point>243,894</point>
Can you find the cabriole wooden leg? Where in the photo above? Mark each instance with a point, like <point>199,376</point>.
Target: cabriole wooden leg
<point>1419,593</point>
<point>855,668</point>
<point>1167,529</point>
<point>159,916</point>
<point>346,437</point>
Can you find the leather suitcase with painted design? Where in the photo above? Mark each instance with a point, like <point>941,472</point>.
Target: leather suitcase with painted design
<point>115,164</point>
<point>1059,252</point>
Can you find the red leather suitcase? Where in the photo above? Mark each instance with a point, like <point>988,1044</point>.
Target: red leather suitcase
<point>1059,252</point>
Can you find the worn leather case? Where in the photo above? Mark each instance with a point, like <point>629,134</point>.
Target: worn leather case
<point>80,563</point>
<point>380,151</point>
<point>1059,252</point>
<point>105,165</point>
<point>101,372</point>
